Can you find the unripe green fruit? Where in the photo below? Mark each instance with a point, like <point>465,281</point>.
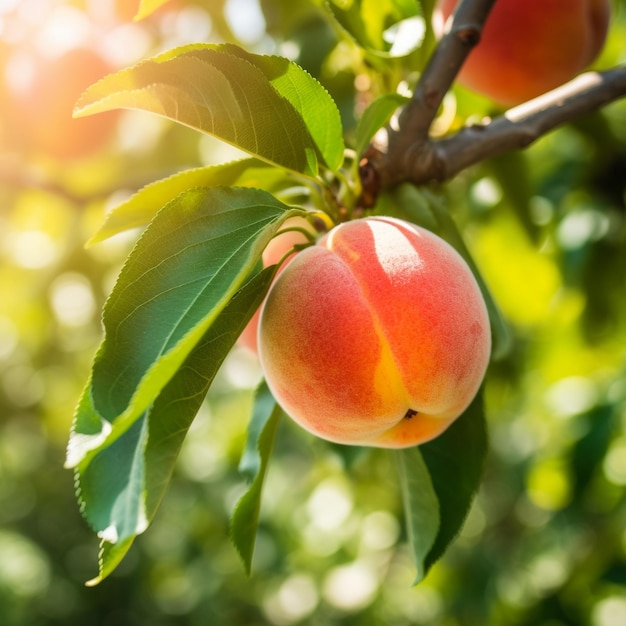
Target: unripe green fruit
<point>377,335</point>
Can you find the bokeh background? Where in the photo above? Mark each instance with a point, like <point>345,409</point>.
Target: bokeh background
<point>545,542</point>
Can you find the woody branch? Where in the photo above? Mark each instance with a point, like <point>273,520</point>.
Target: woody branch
<point>411,155</point>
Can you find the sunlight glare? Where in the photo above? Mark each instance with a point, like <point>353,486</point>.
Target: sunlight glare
<point>33,249</point>
<point>65,28</point>
<point>72,299</point>
<point>246,20</point>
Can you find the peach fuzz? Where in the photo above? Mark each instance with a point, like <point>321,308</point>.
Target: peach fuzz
<point>377,335</point>
<point>529,47</point>
<point>274,253</point>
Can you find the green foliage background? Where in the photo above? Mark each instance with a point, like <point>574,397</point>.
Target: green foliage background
<point>544,544</point>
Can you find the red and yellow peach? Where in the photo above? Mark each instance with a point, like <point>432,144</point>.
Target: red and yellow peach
<point>274,253</point>
<point>377,335</point>
<point>38,113</point>
<point>530,46</point>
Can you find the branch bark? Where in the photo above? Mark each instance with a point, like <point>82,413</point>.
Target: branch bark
<point>522,125</point>
<point>444,64</point>
<point>423,161</point>
<point>411,155</point>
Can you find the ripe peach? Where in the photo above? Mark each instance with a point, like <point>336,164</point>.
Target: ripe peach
<point>377,335</point>
<point>40,109</point>
<point>531,46</point>
<point>273,254</point>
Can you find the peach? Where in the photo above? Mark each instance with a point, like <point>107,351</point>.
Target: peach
<point>377,335</point>
<point>275,253</point>
<point>531,46</point>
<point>39,110</point>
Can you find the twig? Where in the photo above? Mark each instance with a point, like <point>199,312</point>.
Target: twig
<point>444,64</point>
<point>439,160</point>
<point>522,125</point>
<point>411,155</point>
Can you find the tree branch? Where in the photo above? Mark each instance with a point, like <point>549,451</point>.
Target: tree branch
<point>439,160</point>
<point>411,155</point>
<point>444,64</point>
<point>522,125</point>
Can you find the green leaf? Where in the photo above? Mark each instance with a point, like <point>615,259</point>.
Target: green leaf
<point>438,482</point>
<point>111,555</point>
<point>455,462</point>
<point>142,206</point>
<point>308,97</point>
<point>421,506</point>
<point>253,465</point>
<point>512,172</point>
<point>410,203</point>
<point>111,486</point>
<point>589,452</point>
<point>189,263</point>
<point>375,116</point>
<point>211,89</point>
<point>385,28</point>
<point>120,488</point>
